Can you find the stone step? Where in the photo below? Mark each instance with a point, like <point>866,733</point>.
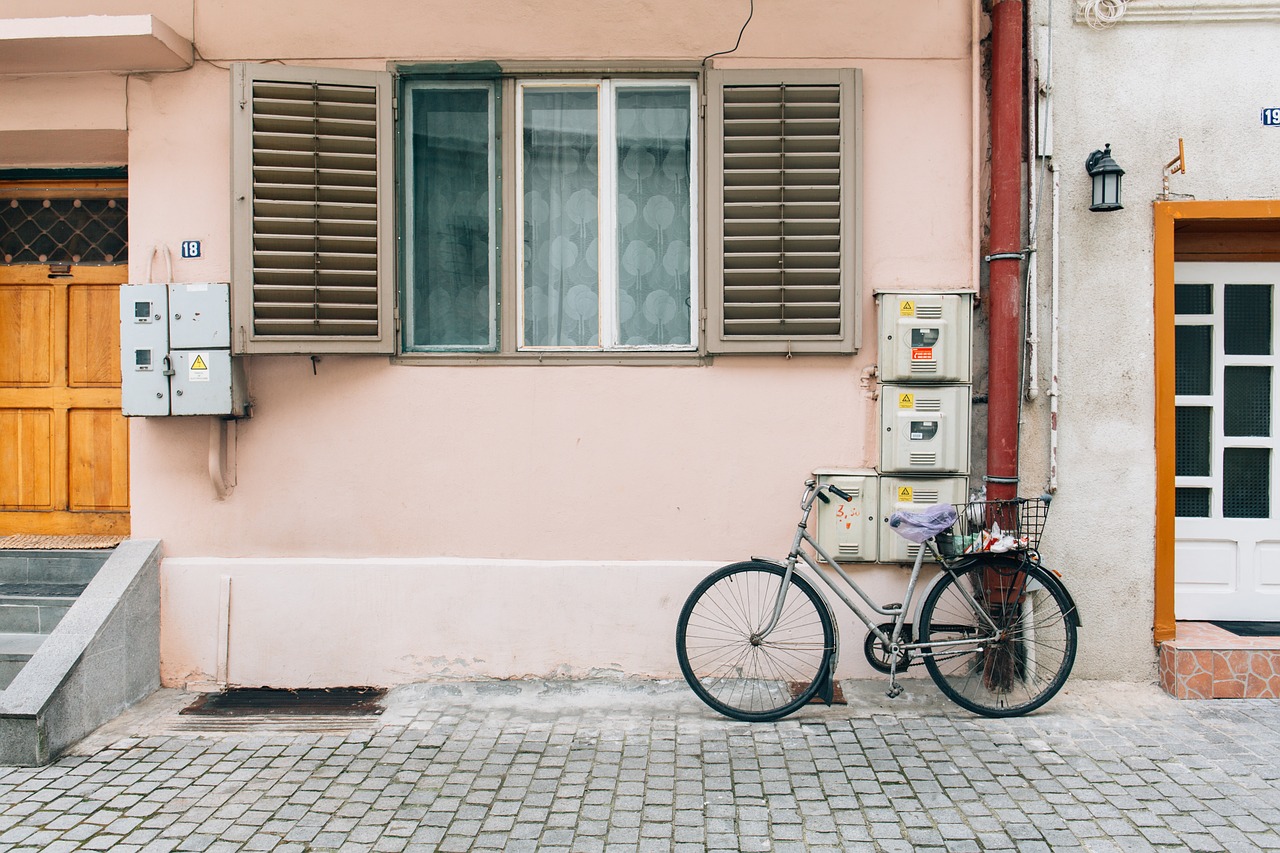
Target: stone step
<point>37,566</point>
<point>35,608</point>
<point>15,651</point>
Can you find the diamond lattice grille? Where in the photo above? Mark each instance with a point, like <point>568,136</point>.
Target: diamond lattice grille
<point>73,230</point>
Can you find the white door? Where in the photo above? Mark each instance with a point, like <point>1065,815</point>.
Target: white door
<point>1227,554</point>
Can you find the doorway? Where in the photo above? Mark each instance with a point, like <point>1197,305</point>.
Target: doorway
<point>1216,553</point>
<point>64,445</point>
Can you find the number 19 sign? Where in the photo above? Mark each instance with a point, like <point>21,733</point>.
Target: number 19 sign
<point>1271,116</point>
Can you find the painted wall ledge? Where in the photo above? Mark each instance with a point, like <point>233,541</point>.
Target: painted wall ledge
<point>91,43</point>
<point>1179,11</point>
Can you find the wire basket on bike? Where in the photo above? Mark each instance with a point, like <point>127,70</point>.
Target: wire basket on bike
<point>1010,525</point>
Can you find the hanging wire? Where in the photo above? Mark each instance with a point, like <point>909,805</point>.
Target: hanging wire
<point>750,13</point>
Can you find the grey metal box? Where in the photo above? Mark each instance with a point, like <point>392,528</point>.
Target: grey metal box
<point>200,315</point>
<point>924,429</point>
<point>144,348</point>
<point>207,382</point>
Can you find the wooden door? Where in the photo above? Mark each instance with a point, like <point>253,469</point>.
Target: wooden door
<point>64,446</point>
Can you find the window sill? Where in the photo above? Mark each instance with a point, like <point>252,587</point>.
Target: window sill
<point>542,359</point>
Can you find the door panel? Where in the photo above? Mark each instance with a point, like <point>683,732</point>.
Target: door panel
<point>64,446</point>
<point>99,459</point>
<point>93,321</point>
<point>26,456</point>
<point>26,320</point>
<point>1227,549</point>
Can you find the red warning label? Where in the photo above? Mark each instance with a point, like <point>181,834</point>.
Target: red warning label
<point>922,353</point>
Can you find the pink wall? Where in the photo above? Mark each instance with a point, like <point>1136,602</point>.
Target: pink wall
<point>345,471</point>
<point>367,458</point>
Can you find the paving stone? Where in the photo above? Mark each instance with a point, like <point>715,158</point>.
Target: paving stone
<point>1088,773</point>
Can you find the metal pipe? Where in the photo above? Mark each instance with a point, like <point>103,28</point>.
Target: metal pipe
<point>1005,350</point>
<point>1033,313</point>
<point>1053,344</point>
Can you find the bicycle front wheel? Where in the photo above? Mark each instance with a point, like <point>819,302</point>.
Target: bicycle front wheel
<point>730,665</point>
<point>1001,636</point>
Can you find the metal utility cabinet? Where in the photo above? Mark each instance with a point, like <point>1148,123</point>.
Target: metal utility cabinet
<point>175,351</point>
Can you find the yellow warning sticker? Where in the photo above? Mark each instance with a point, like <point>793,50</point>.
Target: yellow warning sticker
<point>198,370</point>
<point>904,495</point>
<point>906,401</point>
<point>906,309</point>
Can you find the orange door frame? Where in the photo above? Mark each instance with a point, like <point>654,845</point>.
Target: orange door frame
<point>1167,214</point>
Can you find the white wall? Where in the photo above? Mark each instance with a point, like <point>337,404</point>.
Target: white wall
<point>1138,86</point>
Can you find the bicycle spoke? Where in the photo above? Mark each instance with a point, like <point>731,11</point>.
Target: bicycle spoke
<point>727,661</point>
<point>1009,670</point>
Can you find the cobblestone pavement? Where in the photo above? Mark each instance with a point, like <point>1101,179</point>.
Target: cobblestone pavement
<point>568,766</point>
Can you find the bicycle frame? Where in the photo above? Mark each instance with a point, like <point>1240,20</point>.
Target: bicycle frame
<point>891,640</point>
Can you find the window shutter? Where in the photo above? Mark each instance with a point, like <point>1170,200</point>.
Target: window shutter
<point>312,245</point>
<point>783,254</point>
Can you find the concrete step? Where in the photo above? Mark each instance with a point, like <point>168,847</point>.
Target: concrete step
<point>35,608</point>
<point>69,566</point>
<point>15,650</point>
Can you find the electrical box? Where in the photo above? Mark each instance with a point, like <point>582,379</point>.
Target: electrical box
<point>913,494</point>
<point>175,351</point>
<point>926,337</point>
<point>924,429</point>
<point>848,530</point>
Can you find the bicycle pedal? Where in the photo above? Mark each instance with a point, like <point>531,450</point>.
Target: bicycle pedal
<point>895,691</point>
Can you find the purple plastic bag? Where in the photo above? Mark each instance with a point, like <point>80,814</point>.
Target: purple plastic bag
<point>919,526</point>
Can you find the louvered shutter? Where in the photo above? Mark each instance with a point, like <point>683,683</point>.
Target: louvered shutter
<point>312,246</point>
<point>783,256</point>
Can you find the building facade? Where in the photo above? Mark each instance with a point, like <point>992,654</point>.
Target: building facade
<point>541,313</point>
<point>1156,321</point>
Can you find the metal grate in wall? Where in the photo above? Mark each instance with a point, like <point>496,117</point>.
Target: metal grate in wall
<point>79,229</point>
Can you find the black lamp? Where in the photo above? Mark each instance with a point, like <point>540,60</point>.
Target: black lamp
<point>1106,180</point>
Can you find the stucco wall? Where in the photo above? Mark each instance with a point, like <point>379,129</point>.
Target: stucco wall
<point>360,481</point>
<point>1138,86</point>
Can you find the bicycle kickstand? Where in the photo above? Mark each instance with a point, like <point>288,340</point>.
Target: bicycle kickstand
<point>895,689</point>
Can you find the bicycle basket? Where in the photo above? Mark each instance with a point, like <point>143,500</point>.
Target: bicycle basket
<point>1020,522</point>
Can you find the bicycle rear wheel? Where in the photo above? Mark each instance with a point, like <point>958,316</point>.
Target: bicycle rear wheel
<point>735,670</point>
<point>1003,635</point>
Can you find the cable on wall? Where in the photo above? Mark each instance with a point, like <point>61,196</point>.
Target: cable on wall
<point>750,13</point>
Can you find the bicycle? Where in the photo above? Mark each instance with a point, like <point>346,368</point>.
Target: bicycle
<point>996,631</point>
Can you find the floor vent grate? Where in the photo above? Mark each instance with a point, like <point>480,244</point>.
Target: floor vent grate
<point>321,702</point>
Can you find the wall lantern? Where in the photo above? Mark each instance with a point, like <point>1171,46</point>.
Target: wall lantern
<point>1106,180</point>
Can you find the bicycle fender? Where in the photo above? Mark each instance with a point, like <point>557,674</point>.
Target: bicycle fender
<point>1073,611</point>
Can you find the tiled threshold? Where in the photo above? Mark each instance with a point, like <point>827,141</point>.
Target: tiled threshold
<point>1207,662</point>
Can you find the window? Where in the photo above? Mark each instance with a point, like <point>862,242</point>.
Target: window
<point>603,180</point>
<point>450,217</point>
<point>547,215</point>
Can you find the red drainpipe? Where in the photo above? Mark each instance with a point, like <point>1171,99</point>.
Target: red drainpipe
<point>1005,299</point>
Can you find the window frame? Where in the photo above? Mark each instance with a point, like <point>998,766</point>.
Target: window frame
<point>406,293</point>
<point>507,251</point>
<point>607,88</point>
